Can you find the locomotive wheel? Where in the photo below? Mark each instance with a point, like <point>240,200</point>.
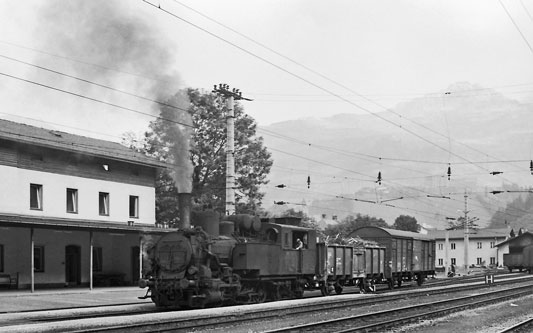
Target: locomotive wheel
<point>261,295</point>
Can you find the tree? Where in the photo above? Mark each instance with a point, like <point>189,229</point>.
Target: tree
<point>406,223</point>
<point>207,154</point>
<point>345,227</point>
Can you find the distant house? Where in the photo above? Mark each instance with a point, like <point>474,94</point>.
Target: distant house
<point>482,249</point>
<point>73,210</point>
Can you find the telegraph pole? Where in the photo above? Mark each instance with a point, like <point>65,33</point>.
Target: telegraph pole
<point>466,237</point>
<point>230,96</point>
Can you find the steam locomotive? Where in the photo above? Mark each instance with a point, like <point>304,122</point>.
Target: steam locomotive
<point>248,260</point>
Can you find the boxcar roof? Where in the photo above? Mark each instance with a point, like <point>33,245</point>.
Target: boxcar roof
<point>371,231</point>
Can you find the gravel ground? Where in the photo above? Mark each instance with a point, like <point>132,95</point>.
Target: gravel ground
<point>489,319</point>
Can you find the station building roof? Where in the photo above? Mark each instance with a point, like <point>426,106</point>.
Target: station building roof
<point>22,133</point>
<point>26,221</point>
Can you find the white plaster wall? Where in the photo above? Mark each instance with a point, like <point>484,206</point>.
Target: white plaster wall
<point>15,196</point>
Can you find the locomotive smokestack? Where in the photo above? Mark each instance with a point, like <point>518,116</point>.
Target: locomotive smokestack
<point>185,203</point>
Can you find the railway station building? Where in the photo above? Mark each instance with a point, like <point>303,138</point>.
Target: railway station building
<point>74,211</point>
<point>482,247</point>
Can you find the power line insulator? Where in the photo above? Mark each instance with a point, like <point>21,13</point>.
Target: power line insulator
<point>379,178</point>
<point>280,202</point>
<point>449,171</point>
<point>308,181</point>
<point>281,186</point>
<point>531,166</point>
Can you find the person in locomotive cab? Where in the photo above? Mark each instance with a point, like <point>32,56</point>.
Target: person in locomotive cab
<point>299,244</point>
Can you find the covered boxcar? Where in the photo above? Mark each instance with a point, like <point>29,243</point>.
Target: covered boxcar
<point>521,259</point>
<point>408,255</point>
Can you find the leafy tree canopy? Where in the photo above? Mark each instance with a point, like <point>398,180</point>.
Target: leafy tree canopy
<point>207,153</point>
<point>406,223</point>
<point>350,223</point>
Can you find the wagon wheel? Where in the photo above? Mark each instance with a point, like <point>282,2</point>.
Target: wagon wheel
<point>419,279</point>
<point>324,289</point>
<point>338,288</point>
<point>299,293</point>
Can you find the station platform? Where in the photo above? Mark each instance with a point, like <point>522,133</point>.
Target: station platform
<point>64,298</point>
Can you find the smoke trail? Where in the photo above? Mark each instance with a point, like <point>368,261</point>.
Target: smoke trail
<point>117,40</point>
<point>110,35</point>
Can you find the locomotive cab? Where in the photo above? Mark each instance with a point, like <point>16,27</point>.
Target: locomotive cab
<point>274,260</point>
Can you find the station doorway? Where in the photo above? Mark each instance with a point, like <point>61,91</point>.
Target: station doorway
<point>72,265</point>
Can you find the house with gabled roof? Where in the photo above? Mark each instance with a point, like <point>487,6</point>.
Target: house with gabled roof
<point>481,251</point>
<point>74,211</point>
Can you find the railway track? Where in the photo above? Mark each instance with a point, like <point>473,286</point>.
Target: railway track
<point>381,320</point>
<point>196,320</point>
<point>521,327</point>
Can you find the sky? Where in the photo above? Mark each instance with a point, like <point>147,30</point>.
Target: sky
<point>295,59</point>
<point>96,67</point>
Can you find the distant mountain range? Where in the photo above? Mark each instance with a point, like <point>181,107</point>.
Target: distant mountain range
<point>464,127</point>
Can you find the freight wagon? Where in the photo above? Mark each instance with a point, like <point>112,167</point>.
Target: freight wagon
<point>521,260</point>
<point>408,255</point>
<point>349,265</point>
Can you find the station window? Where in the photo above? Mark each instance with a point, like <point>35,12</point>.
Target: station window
<point>1,258</point>
<point>134,206</point>
<point>441,246</point>
<point>38,259</point>
<point>97,259</point>
<point>479,245</point>
<point>103,203</point>
<point>479,261</point>
<point>491,245</point>
<point>492,260</point>
<point>452,246</point>
<point>72,200</point>
<point>454,261</point>
<point>36,196</point>
<point>441,262</point>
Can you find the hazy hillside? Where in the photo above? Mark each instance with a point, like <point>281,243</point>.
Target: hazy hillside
<point>412,146</point>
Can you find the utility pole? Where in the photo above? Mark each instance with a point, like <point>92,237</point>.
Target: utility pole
<point>230,96</point>
<point>466,237</point>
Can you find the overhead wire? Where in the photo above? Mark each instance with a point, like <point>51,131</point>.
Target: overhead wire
<point>91,99</point>
<point>516,26</point>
